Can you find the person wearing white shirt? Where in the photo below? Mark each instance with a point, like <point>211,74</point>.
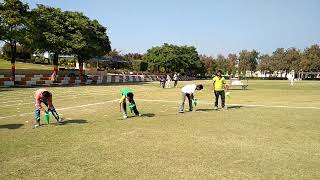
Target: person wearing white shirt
<point>168,83</point>
<point>290,78</point>
<point>188,91</point>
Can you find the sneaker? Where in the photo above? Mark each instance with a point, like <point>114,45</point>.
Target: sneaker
<point>215,108</point>
<point>125,117</point>
<point>139,115</point>
<point>225,108</point>
<point>59,121</point>
<point>181,112</point>
<point>37,125</point>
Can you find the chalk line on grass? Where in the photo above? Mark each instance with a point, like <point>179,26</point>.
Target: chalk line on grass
<point>168,101</point>
<point>244,105</point>
<point>62,109</point>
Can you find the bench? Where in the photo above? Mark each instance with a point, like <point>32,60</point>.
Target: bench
<point>234,82</point>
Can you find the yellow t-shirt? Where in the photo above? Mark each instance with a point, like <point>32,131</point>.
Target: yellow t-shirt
<point>122,99</point>
<point>219,83</point>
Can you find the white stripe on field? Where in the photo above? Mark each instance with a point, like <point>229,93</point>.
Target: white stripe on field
<point>245,105</point>
<point>154,100</point>
<point>62,109</point>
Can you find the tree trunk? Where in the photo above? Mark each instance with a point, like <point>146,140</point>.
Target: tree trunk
<point>13,46</point>
<point>55,63</point>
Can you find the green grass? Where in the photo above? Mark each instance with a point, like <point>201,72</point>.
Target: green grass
<point>95,143</point>
<point>20,65</point>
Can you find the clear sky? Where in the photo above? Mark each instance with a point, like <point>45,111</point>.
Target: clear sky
<point>212,26</point>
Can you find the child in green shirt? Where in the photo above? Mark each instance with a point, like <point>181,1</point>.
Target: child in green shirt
<point>127,94</point>
<point>219,85</point>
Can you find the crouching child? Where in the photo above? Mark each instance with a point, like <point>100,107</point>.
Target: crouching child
<point>45,97</point>
<point>127,94</point>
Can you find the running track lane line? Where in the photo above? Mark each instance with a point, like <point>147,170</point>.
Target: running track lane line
<point>154,100</point>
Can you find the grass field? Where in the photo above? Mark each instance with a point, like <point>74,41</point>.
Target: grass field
<point>270,131</point>
<point>20,65</point>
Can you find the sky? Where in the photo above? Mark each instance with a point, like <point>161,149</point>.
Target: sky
<point>212,26</point>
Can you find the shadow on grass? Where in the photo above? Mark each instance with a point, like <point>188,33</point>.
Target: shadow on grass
<point>229,107</point>
<point>74,121</point>
<point>11,126</point>
<point>204,110</point>
<point>235,107</point>
<point>5,89</point>
<point>142,115</point>
<point>247,89</point>
<point>148,115</point>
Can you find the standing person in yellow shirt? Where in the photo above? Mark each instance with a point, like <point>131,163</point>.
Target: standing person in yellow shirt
<point>219,85</point>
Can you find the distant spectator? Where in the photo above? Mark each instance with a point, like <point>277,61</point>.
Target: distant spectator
<point>168,83</point>
<point>162,81</point>
<point>53,76</point>
<point>175,79</point>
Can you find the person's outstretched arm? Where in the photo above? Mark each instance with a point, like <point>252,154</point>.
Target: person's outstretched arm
<point>121,101</point>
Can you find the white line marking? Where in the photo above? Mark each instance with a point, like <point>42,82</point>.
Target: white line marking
<point>62,109</point>
<point>245,105</point>
<point>154,100</point>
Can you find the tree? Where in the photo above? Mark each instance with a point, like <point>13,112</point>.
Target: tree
<point>264,63</point>
<point>49,31</point>
<point>12,26</point>
<point>222,63</point>
<point>171,58</point>
<point>310,60</point>
<point>114,54</point>
<point>232,62</point>
<point>133,56</point>
<point>292,59</point>
<point>85,38</point>
<point>22,52</point>
<point>209,64</point>
<point>248,60</point>
<point>278,62</point>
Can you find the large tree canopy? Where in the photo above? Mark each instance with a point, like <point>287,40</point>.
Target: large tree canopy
<point>311,59</point>
<point>85,38</point>
<point>67,32</point>
<point>248,60</point>
<point>171,58</point>
<point>49,31</point>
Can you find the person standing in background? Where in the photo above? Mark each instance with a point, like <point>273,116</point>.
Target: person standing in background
<point>168,83</point>
<point>175,79</point>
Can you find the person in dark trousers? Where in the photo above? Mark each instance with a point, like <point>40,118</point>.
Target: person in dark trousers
<point>162,82</point>
<point>188,91</point>
<point>127,94</point>
<point>219,85</point>
<point>175,79</point>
